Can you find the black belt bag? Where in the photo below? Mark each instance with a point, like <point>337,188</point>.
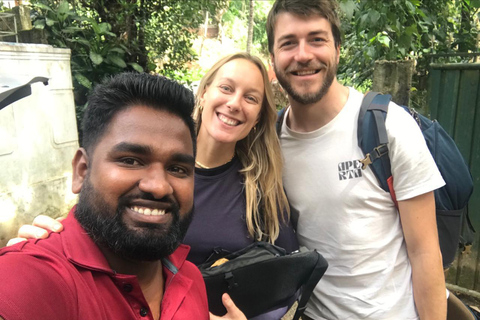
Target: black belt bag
<point>261,277</point>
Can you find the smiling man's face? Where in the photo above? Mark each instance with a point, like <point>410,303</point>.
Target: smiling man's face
<point>136,189</point>
<point>305,56</point>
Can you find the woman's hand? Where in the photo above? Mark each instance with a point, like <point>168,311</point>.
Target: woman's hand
<point>38,230</point>
<point>233,313</point>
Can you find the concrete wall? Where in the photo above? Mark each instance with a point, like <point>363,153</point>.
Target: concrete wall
<point>38,137</point>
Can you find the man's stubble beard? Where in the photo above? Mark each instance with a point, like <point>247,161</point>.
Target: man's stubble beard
<point>307,98</point>
<point>106,228</point>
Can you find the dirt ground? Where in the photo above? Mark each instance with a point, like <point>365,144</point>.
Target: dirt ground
<point>469,300</point>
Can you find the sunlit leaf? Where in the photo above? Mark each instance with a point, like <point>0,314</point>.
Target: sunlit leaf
<point>63,8</point>
<point>384,40</point>
<point>104,27</point>
<point>136,66</point>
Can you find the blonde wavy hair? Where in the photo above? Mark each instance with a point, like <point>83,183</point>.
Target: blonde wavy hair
<point>261,158</point>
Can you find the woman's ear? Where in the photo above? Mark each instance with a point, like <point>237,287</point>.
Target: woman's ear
<point>80,169</point>
<point>201,98</point>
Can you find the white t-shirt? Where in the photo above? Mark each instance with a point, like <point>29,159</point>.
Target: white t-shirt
<point>350,220</point>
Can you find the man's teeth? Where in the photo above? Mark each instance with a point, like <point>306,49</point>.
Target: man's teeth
<point>226,120</point>
<point>148,212</point>
<point>305,72</point>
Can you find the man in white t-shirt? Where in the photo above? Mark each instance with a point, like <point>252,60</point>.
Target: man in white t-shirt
<point>384,263</point>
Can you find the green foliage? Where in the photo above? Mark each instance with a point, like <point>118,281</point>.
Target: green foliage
<point>402,29</point>
<point>96,51</point>
<point>235,22</point>
<point>110,36</point>
<point>171,28</point>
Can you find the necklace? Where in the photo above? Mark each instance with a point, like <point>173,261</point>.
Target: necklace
<point>202,166</point>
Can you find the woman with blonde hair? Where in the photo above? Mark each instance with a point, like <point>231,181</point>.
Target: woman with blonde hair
<point>239,196</point>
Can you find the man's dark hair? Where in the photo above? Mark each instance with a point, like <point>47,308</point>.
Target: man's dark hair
<point>127,89</point>
<point>324,8</point>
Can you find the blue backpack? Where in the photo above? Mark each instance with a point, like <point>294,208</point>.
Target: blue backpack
<point>450,200</point>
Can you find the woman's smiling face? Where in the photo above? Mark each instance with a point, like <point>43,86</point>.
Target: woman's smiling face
<point>232,102</point>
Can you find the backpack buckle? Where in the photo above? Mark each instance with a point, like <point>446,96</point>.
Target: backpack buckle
<point>467,249</point>
<point>366,161</point>
<point>377,152</point>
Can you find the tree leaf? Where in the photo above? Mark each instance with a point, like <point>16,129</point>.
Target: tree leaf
<point>410,6</point>
<point>104,28</point>
<point>348,8</point>
<point>373,16</point>
<point>416,3</point>
<point>118,50</point>
<point>117,61</point>
<point>384,40</point>
<point>63,8</point>
<point>82,41</point>
<point>96,58</point>
<point>136,66</point>
<point>412,29</point>
<point>71,29</point>
<point>43,6</point>
<point>50,22</point>
<point>39,24</point>
<point>82,80</point>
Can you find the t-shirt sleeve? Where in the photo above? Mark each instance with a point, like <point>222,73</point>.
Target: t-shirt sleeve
<point>31,289</point>
<point>413,169</point>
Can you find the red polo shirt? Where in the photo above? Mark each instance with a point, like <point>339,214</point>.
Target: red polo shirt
<point>67,277</point>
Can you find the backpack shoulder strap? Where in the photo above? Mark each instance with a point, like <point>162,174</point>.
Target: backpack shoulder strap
<point>280,117</point>
<point>372,136</point>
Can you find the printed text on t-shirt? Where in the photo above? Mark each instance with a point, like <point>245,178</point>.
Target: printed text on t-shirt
<point>349,170</point>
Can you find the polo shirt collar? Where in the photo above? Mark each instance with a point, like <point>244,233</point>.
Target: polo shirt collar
<point>82,251</point>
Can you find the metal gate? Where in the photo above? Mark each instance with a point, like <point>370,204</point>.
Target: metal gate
<point>454,100</point>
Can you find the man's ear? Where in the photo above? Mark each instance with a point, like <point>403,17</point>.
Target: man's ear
<point>338,54</point>
<point>272,59</point>
<point>80,169</point>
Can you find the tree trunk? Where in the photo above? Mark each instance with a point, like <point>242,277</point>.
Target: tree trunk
<point>250,27</point>
<point>395,78</point>
<point>143,55</point>
<point>464,25</point>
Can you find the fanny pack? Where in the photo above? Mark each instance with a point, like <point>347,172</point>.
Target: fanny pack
<point>261,277</point>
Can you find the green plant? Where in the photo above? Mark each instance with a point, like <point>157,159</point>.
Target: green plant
<point>403,29</point>
<point>235,22</point>
<point>96,52</point>
<point>110,36</point>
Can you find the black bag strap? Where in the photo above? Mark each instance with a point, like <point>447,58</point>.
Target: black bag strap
<point>310,285</point>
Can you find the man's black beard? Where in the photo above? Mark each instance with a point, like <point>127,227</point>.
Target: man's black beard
<point>106,227</point>
<point>308,98</point>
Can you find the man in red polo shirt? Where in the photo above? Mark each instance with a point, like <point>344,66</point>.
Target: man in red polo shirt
<point>119,256</point>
